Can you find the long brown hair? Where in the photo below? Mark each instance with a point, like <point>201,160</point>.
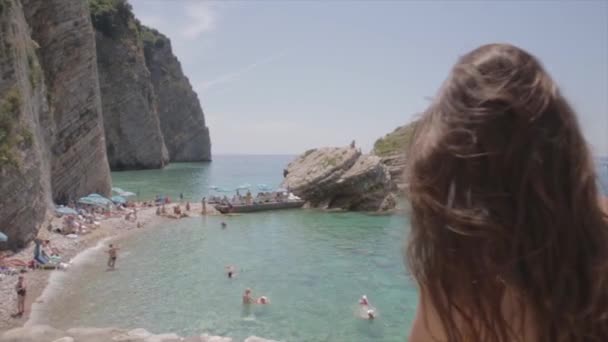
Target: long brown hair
<point>504,203</point>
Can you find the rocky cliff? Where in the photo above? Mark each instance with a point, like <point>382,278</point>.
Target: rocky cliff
<point>24,165</point>
<point>75,135</point>
<point>74,81</point>
<point>341,178</point>
<point>132,127</point>
<point>181,117</point>
<point>392,150</point>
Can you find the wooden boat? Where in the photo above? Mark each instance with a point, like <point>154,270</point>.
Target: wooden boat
<point>249,208</point>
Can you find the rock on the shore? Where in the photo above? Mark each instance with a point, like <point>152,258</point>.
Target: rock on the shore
<point>38,333</point>
<point>257,339</point>
<point>92,334</point>
<point>65,339</point>
<point>181,117</point>
<point>75,136</point>
<point>341,178</point>
<point>209,338</point>
<point>43,333</point>
<point>132,127</point>
<point>24,165</point>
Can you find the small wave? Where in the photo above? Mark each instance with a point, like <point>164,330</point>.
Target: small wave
<point>57,280</point>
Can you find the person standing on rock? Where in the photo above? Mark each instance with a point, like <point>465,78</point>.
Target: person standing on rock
<point>21,292</point>
<point>113,254</point>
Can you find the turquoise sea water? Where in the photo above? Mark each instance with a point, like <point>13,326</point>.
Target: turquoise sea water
<point>312,265</point>
<point>194,179</point>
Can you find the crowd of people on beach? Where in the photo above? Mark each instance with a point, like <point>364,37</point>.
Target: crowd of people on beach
<point>249,199</point>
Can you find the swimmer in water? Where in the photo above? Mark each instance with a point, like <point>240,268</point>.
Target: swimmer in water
<point>231,271</point>
<point>247,299</point>
<point>370,314</point>
<point>364,301</point>
<point>224,225</point>
<point>263,300</point>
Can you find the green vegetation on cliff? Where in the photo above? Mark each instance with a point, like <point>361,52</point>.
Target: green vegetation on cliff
<point>108,16</point>
<point>10,107</point>
<point>99,7</point>
<point>151,37</point>
<point>396,141</point>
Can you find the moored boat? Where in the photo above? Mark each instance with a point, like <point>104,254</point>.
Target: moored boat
<point>264,206</point>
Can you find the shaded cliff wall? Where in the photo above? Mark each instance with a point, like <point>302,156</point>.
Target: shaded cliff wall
<point>24,167</point>
<point>63,30</point>
<point>181,117</point>
<point>132,128</point>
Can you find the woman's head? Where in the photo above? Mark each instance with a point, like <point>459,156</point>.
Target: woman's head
<point>504,200</point>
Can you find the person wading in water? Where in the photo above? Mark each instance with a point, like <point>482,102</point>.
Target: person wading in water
<point>112,255</point>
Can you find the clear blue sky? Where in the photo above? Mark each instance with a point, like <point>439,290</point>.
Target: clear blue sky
<point>281,77</point>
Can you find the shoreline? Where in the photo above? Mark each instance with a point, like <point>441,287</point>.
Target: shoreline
<point>40,283</point>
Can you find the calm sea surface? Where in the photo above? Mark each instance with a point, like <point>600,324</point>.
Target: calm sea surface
<point>312,265</point>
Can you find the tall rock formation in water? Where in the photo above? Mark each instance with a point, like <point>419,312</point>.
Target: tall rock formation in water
<point>181,117</point>
<point>63,31</point>
<point>341,178</point>
<point>24,165</point>
<point>133,136</point>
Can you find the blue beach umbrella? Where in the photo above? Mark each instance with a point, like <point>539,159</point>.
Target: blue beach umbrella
<point>264,187</point>
<point>245,186</point>
<point>95,199</point>
<point>220,189</point>
<point>119,200</point>
<point>62,210</point>
<point>3,237</point>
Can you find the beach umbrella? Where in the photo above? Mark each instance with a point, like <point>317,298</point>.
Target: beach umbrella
<point>119,199</point>
<point>99,198</point>
<point>95,200</point>
<point>264,187</point>
<point>3,237</point>
<point>220,189</point>
<point>245,186</point>
<point>127,194</point>
<point>117,190</point>
<point>65,210</point>
<point>88,200</point>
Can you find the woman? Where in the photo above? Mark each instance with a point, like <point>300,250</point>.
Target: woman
<point>508,239</point>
